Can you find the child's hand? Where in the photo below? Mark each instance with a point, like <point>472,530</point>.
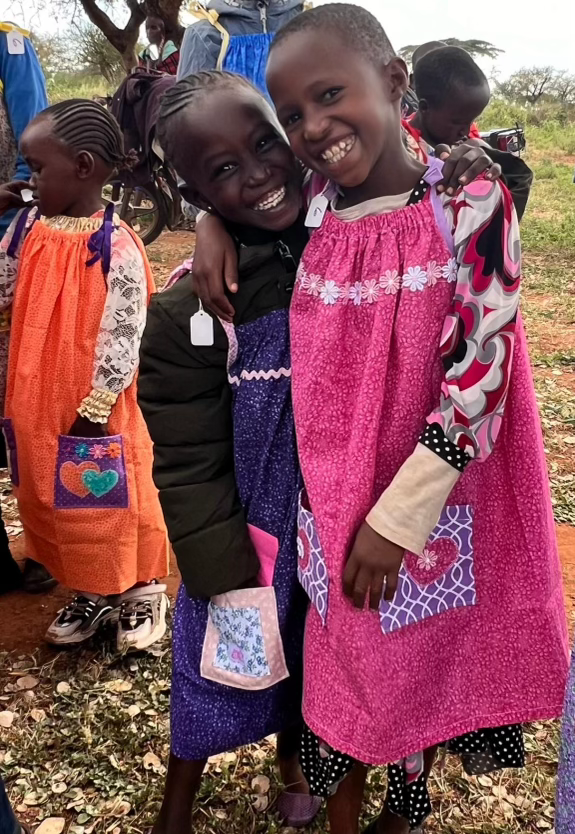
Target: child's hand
<point>215,266</point>
<point>373,563</point>
<point>463,164</point>
<point>11,195</point>
<point>82,427</point>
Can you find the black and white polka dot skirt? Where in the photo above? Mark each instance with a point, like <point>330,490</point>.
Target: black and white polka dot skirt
<point>481,752</point>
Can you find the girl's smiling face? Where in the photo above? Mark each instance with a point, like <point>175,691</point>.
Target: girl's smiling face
<point>338,108</point>
<point>230,151</point>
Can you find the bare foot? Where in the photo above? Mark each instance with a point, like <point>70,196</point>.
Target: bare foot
<point>292,775</point>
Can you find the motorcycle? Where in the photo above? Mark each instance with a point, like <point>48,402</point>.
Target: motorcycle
<point>511,140</point>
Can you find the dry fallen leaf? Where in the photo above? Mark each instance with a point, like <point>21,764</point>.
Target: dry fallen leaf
<point>27,682</point>
<point>119,685</point>
<point>152,762</point>
<point>261,785</point>
<point>59,787</point>
<point>6,719</point>
<point>63,688</point>
<point>52,825</point>
<point>38,715</point>
<point>260,803</point>
<point>134,710</point>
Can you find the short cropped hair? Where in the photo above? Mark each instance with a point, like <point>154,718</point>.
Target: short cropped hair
<point>355,25</point>
<point>441,70</point>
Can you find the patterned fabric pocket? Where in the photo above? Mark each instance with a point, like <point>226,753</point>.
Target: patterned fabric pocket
<point>10,438</point>
<point>90,473</point>
<point>243,646</point>
<point>439,580</point>
<point>311,567</point>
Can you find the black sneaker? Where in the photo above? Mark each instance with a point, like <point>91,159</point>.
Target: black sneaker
<point>37,580</point>
<point>80,620</point>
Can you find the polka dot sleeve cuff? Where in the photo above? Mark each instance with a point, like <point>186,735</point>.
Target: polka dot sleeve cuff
<point>434,439</point>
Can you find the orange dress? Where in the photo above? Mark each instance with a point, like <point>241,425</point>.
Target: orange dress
<point>89,508</point>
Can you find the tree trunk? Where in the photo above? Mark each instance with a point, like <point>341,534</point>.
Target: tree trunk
<point>124,40</point>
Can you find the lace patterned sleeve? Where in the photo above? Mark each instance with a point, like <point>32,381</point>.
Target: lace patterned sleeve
<point>118,344</point>
<point>9,260</point>
<point>476,349</point>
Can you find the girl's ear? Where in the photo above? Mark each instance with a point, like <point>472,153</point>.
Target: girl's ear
<point>194,197</point>
<point>423,105</point>
<point>398,77</point>
<point>85,165</point>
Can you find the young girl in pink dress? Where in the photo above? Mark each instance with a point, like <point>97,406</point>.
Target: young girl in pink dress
<point>419,441</point>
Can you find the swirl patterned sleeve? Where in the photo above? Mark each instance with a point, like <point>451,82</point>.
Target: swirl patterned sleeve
<point>476,349</point>
<point>117,351</point>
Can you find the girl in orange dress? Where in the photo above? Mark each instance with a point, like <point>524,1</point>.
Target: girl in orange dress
<point>78,282</point>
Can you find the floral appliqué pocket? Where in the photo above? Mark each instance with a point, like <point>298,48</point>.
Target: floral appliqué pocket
<point>243,646</point>
<point>91,473</point>
<point>439,580</point>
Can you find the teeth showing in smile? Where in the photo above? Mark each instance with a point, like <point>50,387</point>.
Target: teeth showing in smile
<point>338,151</point>
<point>271,200</point>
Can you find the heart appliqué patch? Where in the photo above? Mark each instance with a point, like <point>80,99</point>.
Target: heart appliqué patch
<point>437,558</point>
<point>100,483</point>
<point>71,475</point>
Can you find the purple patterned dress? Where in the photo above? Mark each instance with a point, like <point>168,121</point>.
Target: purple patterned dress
<point>248,372</point>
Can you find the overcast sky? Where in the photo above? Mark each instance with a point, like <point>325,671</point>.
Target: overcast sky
<point>531,33</point>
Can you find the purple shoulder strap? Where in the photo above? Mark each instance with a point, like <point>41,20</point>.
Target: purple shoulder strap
<point>18,232</point>
<point>100,243</point>
<point>432,176</point>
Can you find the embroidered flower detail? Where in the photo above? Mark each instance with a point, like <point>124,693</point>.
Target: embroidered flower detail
<point>303,278</point>
<point>115,450</point>
<point>82,450</point>
<point>390,282</point>
<point>427,560</point>
<point>98,451</point>
<point>449,271</point>
<point>329,293</point>
<point>315,284</point>
<point>434,273</point>
<point>354,293</point>
<point>370,290</point>
<point>414,279</point>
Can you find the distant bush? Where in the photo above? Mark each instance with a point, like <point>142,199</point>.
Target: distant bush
<point>64,85</point>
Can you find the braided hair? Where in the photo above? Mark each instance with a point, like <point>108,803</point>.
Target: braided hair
<point>84,125</point>
<point>188,91</point>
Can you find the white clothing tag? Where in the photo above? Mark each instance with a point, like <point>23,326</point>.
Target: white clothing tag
<point>202,328</point>
<point>15,43</point>
<point>316,211</point>
<point>27,195</point>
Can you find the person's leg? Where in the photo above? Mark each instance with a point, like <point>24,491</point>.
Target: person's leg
<point>182,783</point>
<point>37,580</point>
<point>8,822</point>
<point>391,821</point>
<point>344,806</point>
<point>10,575</point>
<point>288,747</point>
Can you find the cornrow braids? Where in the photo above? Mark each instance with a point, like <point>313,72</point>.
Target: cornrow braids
<point>188,91</point>
<point>85,125</point>
<point>356,27</point>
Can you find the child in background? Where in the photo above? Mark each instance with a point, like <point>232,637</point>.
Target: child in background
<point>419,441</point>
<point>79,283</point>
<point>453,92</point>
<point>217,403</point>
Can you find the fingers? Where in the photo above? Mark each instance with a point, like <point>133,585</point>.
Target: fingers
<point>391,583</point>
<point>231,271</point>
<point>376,591</point>
<point>495,172</point>
<point>349,575</point>
<point>361,587</point>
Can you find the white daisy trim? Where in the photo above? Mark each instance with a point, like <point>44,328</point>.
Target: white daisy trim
<point>416,279</point>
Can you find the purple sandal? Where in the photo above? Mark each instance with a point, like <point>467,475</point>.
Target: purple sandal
<point>298,810</point>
